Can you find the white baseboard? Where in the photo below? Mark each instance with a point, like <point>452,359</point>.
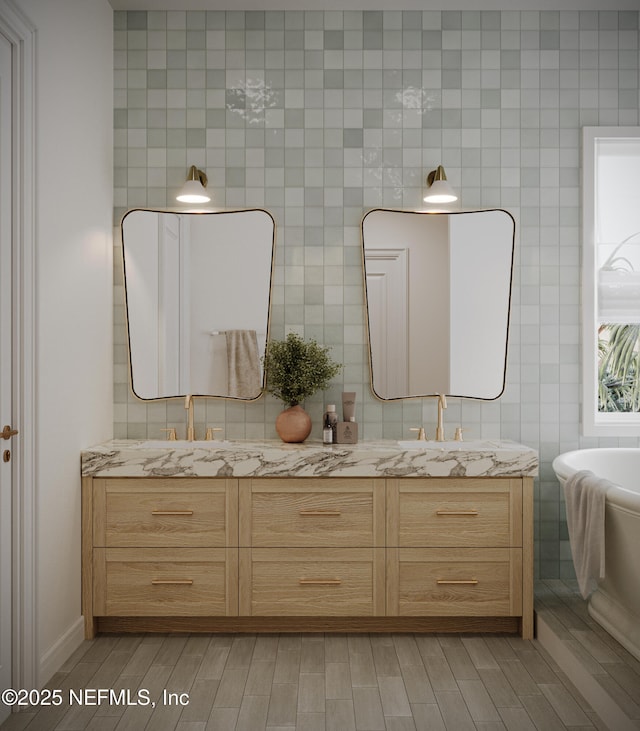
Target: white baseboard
<point>55,657</point>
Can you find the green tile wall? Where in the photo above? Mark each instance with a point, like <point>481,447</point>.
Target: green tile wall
<point>319,116</point>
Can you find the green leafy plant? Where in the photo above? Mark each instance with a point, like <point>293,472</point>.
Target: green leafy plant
<point>297,368</point>
<point>619,351</point>
<point>619,368</point>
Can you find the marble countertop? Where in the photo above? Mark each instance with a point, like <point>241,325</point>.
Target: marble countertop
<point>146,458</point>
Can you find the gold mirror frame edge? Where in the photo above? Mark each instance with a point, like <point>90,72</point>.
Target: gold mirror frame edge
<point>126,308</point>
<point>366,303</point>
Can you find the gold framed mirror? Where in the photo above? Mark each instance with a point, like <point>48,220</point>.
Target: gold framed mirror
<point>438,294</point>
<point>198,292</point>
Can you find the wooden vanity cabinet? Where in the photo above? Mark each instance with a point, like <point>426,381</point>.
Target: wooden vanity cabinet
<point>159,547</point>
<point>312,547</point>
<point>254,554</point>
<point>460,548</point>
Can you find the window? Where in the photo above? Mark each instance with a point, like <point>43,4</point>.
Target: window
<point>611,281</point>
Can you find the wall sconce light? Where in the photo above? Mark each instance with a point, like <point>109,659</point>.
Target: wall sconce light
<point>193,191</point>
<point>439,189</point>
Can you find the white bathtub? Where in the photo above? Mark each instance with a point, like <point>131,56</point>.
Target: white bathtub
<point>615,604</point>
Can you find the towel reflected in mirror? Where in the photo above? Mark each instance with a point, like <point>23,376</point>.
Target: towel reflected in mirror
<point>243,364</point>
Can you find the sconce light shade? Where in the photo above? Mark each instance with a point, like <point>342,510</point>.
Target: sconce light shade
<point>193,191</point>
<point>439,189</point>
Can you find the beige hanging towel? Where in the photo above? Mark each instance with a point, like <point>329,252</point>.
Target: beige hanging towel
<point>584,495</point>
<point>243,364</point>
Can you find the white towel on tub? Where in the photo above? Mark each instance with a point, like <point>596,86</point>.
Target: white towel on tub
<point>584,494</point>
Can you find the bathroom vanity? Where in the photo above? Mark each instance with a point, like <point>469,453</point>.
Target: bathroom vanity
<point>266,536</point>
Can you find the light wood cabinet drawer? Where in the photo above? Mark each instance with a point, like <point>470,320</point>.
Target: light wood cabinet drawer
<point>455,512</point>
<point>279,548</point>
<point>154,582</point>
<point>161,513</point>
<point>454,582</point>
<point>312,582</point>
<point>312,513</point>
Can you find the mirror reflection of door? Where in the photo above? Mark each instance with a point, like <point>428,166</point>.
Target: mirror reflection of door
<point>387,287</point>
<point>438,291</point>
<point>197,294</point>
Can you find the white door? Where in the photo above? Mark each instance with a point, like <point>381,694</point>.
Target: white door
<point>6,357</point>
<point>387,292</point>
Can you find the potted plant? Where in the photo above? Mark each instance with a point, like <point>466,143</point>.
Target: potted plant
<point>296,369</point>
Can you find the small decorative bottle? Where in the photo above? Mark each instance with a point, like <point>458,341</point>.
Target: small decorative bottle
<point>329,425</point>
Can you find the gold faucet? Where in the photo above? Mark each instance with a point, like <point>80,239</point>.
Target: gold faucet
<point>442,405</point>
<point>188,404</point>
<point>422,437</point>
<point>211,433</point>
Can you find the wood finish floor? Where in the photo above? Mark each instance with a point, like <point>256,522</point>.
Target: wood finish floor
<point>597,664</point>
<point>312,682</point>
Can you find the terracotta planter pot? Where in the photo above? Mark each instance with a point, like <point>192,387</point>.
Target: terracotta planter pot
<point>293,424</point>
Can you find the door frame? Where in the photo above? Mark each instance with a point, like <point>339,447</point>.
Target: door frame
<point>387,289</point>
<point>21,33</point>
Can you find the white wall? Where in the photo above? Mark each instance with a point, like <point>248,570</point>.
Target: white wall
<point>427,238</point>
<point>480,250</point>
<point>73,218</point>
<point>221,248</point>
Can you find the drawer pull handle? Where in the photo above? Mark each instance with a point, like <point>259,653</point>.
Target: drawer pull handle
<point>321,582</point>
<point>456,512</point>
<point>306,513</point>
<point>457,581</point>
<point>181,582</point>
<point>172,512</point>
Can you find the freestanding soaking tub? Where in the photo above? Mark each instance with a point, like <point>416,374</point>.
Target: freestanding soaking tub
<point>615,604</point>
